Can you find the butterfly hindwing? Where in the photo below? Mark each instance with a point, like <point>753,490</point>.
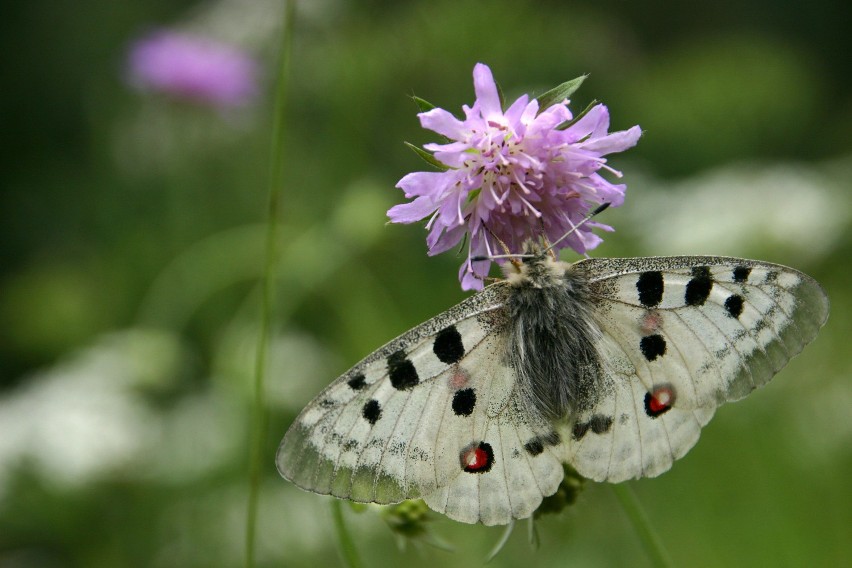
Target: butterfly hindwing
<point>680,336</point>
<point>513,461</point>
<point>389,428</point>
<point>630,433</point>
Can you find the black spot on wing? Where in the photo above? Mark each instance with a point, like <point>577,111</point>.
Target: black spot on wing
<point>357,382</point>
<point>741,273</point>
<point>579,430</point>
<point>598,423</point>
<point>698,288</point>
<point>551,439</point>
<point>464,401</point>
<point>372,411</point>
<point>650,288</point>
<point>448,345</point>
<point>734,305</point>
<point>652,346</point>
<point>534,447</point>
<point>403,375</point>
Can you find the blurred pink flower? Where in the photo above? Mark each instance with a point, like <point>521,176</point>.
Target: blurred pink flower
<point>512,175</point>
<point>193,68</point>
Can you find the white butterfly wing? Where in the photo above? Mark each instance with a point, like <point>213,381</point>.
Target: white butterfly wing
<point>519,458</point>
<point>433,414</point>
<point>522,458</point>
<point>378,433</point>
<point>437,413</point>
<point>680,336</point>
<point>617,441</point>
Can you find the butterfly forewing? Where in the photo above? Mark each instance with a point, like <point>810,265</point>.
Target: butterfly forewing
<point>713,327</point>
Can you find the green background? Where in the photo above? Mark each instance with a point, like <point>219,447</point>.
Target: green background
<point>131,234</point>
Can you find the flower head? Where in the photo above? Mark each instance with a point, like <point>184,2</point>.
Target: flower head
<point>512,175</point>
<point>193,68</point>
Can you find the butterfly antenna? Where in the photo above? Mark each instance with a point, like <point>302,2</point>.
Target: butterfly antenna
<point>499,240</point>
<point>512,257</point>
<point>574,228</point>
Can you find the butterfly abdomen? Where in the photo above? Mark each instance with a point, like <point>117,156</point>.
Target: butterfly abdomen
<point>551,338</point>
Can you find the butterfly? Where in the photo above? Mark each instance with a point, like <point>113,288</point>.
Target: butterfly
<point>611,365</point>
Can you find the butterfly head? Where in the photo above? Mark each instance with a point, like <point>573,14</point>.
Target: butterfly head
<point>537,267</point>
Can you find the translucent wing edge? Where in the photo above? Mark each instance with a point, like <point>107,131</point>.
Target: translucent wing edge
<point>303,467</point>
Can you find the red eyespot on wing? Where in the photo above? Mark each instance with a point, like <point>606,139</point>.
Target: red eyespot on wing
<point>659,400</point>
<point>477,457</point>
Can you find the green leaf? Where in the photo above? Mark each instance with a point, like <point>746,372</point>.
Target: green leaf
<point>569,123</point>
<point>422,104</point>
<point>427,157</point>
<point>560,93</point>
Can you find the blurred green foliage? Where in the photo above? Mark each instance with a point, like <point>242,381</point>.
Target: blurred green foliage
<point>132,248</point>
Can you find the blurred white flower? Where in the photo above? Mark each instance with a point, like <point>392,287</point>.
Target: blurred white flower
<point>743,210</point>
<point>88,418</point>
<point>84,417</point>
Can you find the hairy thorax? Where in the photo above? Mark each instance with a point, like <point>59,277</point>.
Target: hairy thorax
<point>552,336</point>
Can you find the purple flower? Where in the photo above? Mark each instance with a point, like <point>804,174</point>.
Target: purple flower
<point>193,68</point>
<point>512,175</point>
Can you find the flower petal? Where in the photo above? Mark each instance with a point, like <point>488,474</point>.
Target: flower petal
<point>411,212</point>
<point>615,142</point>
<point>472,274</point>
<point>444,123</point>
<point>594,123</point>
<point>519,109</point>
<point>445,239</point>
<point>552,117</point>
<point>486,92</point>
<point>433,184</point>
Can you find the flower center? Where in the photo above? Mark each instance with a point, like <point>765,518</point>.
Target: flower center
<point>511,177</point>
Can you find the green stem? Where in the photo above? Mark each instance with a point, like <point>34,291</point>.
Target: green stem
<point>347,545</point>
<point>649,537</point>
<point>276,183</point>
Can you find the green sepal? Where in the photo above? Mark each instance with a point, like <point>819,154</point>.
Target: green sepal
<point>422,104</point>
<point>357,507</point>
<point>559,93</point>
<point>407,520</point>
<point>569,123</point>
<point>427,157</point>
